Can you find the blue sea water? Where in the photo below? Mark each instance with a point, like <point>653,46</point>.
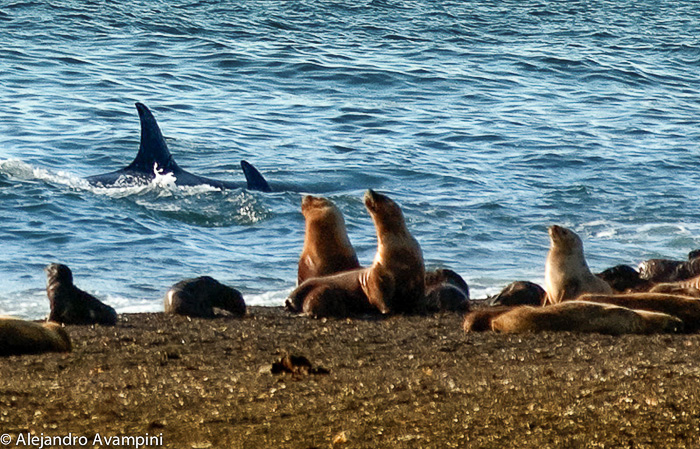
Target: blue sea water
<point>486,120</point>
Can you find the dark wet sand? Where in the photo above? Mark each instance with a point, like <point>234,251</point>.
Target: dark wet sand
<point>401,382</point>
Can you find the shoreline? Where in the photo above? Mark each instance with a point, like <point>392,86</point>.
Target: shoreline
<point>400,381</point>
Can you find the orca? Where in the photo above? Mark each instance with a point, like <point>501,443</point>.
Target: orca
<point>154,157</point>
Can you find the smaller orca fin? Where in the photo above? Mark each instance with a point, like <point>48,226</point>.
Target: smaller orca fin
<point>153,149</point>
<point>254,179</point>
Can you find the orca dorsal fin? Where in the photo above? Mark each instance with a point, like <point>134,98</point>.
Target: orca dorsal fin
<point>153,149</point>
<point>254,179</point>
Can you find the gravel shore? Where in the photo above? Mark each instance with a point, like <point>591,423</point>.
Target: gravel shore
<point>399,382</point>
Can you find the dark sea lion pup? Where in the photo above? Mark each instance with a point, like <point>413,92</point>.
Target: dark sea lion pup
<point>26,337</point>
<point>200,296</point>
<point>394,283</point>
<point>519,293</point>
<point>327,248</point>
<point>446,290</point>
<point>69,304</point>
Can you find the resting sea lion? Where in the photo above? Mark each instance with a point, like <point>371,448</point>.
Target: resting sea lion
<point>480,320</point>
<point>566,274</point>
<point>26,337</point>
<point>69,304</point>
<point>668,270</point>
<point>445,290</point>
<point>519,293</point>
<point>683,307</point>
<point>394,283</point>
<point>198,297</point>
<point>622,278</point>
<point>327,248</point>
<point>584,316</point>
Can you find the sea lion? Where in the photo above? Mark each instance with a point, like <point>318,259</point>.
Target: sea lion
<point>622,278</point>
<point>445,290</point>
<point>519,293</point>
<point>327,248</point>
<point>584,316</point>
<point>683,307</point>
<point>69,304</point>
<point>479,320</point>
<point>690,288</point>
<point>669,270</point>
<point>199,296</point>
<point>394,283</point>
<point>566,274</point>
<point>26,337</point>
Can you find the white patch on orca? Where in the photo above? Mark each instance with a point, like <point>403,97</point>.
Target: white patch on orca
<point>162,179</point>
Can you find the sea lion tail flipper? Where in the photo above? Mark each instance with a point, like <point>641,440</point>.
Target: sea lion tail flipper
<point>254,178</point>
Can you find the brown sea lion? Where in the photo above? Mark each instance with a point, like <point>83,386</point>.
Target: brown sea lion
<point>584,316</point>
<point>669,270</point>
<point>519,293</point>
<point>69,304</point>
<point>566,274</point>
<point>445,290</point>
<point>683,307</point>
<point>479,320</point>
<point>690,288</point>
<point>26,337</point>
<point>623,278</point>
<point>327,248</point>
<point>199,297</point>
<point>394,283</point>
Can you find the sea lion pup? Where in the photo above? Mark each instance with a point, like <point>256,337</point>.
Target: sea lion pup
<point>394,283</point>
<point>479,320</point>
<point>445,290</point>
<point>683,307</point>
<point>199,296</point>
<point>584,316</point>
<point>69,304</point>
<point>623,278</point>
<point>26,337</point>
<point>566,273</point>
<point>327,248</point>
<point>519,293</point>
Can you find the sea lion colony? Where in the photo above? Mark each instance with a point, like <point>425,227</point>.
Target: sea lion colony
<point>662,296</point>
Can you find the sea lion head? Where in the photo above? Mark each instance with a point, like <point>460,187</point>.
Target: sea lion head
<point>564,239</point>
<point>57,272</point>
<point>316,204</point>
<point>385,212</point>
<point>321,212</point>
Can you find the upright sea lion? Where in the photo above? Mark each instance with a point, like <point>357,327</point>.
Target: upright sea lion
<point>26,337</point>
<point>519,293</point>
<point>327,248</point>
<point>446,290</point>
<point>683,307</point>
<point>584,316</point>
<point>69,304</point>
<point>566,274</point>
<point>200,296</point>
<point>394,283</point>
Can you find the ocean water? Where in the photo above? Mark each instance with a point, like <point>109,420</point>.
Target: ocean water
<point>487,121</point>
